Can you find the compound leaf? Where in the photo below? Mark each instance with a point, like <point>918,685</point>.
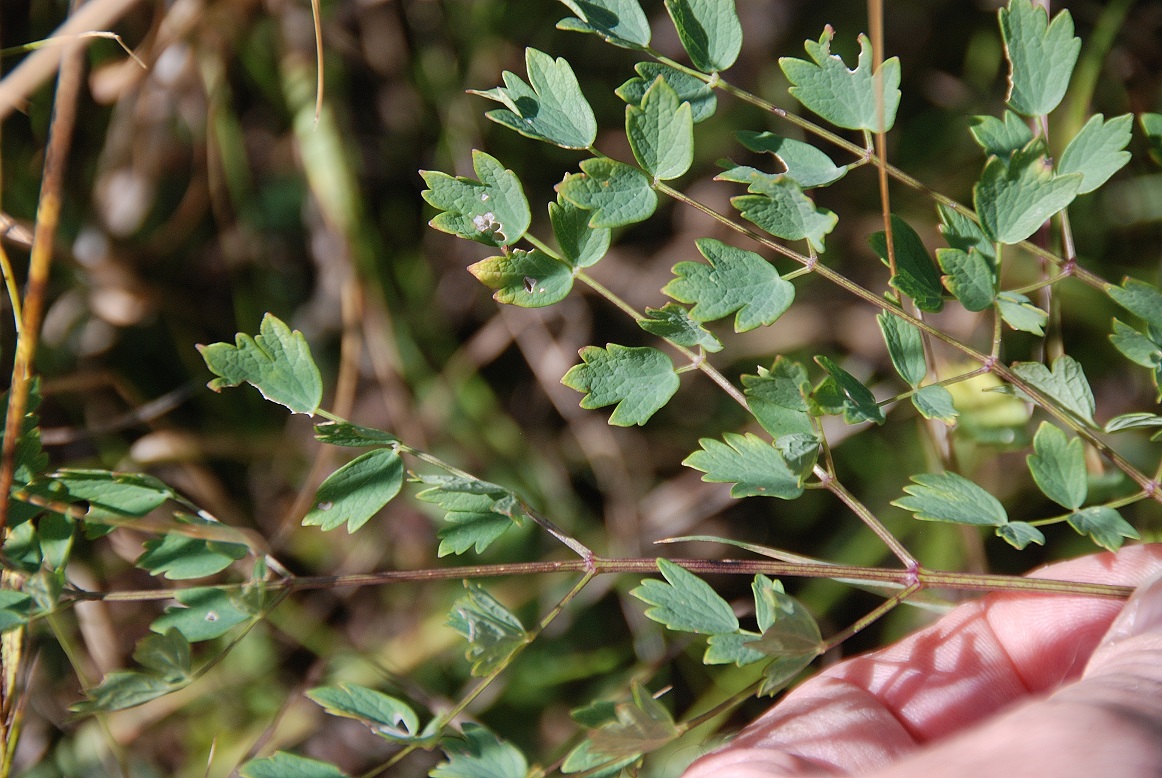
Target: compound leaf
<point>1058,466</point>
<point>357,491</point>
<point>492,631</point>
<point>661,132</point>
<point>384,714</point>
<point>673,323</point>
<point>1098,150</point>
<point>616,193</point>
<point>1019,313</point>
<point>781,208</point>
<point>858,402</point>
<point>1000,138</point>
<point>492,210</point>
<point>734,280</point>
<point>684,602</point>
<point>284,765</point>
<point>620,22</point>
<point>951,497</point>
<point>529,279</point>
<point>552,109</point>
<point>709,30</point>
<point>580,244</point>
<point>805,165</point>
<point>968,276</point>
<point>1105,525</point>
<point>916,273</point>
<point>639,379</point>
<point>754,466</point>
<point>1041,56</point>
<point>1019,534</point>
<point>1066,384</point>
<point>846,98</point>
<point>905,347</point>
<point>277,362</point>
<point>1015,196</point>
<point>935,402</point>
<point>703,102</point>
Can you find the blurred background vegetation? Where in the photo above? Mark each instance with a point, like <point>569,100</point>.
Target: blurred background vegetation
<point>200,193</point>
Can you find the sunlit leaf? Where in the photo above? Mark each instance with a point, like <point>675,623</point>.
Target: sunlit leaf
<point>181,557</point>
<point>529,279</point>
<point>800,452</point>
<point>905,347</point>
<point>385,715</point>
<point>1098,150</point>
<point>777,398</point>
<point>1019,534</point>
<point>781,208</point>
<point>709,30</point>
<point>1015,196</point>
<point>1135,346</point>
<point>965,234</point>
<point>639,380</point>
<point>859,404</point>
<point>284,765</point>
<point>969,276</point>
<point>1041,56</point>
<point>620,22</point>
<point>356,491</point>
<point>492,631</point>
<point>1139,298</point>
<point>684,602</point>
<point>673,323</point>
<point>805,165</point>
<point>733,280</point>
<point>732,648</point>
<point>935,402</point>
<point>110,493</point>
<point>1018,312</point>
<point>1058,466</point>
<point>1000,138</point>
<point>916,273</point>
<point>580,244</point>
<point>1104,525</point>
<point>951,497</point>
<point>616,193</point>
<point>1065,384</point>
<point>661,132</point>
<point>754,466</point>
<point>492,210</point>
<point>477,513</point>
<point>703,102</point>
<point>204,613</point>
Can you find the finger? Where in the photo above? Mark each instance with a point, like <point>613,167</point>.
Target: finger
<point>870,710</point>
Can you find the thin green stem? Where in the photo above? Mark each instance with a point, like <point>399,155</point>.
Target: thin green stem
<point>867,517</point>
<point>870,617</point>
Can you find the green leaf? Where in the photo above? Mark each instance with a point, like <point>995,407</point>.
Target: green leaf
<point>357,491</point>
<point>964,233</point>
<point>968,276</point>
<point>1152,126</point>
<point>859,404</point>
<point>703,102</point>
<point>1133,421</point>
<point>1015,196</point>
<point>1019,534</point>
<point>277,362</point>
<point>639,379</point>
<point>1020,313</point>
<point>754,466</point>
<point>1058,466</point>
<point>1140,299</point>
<point>1041,56</point>
<point>205,613</point>
<point>166,655</point>
<point>642,725</point>
<point>125,689</point>
<point>617,194</point>
<point>122,494</point>
<point>492,210</point>
<point>673,323</point>
<point>846,98</point>
<point>477,513</point>
<point>734,280</point>
<point>342,433</point>
<point>661,132</point>
<point>553,109</point>
<point>1098,150</point>
<point>1135,346</point>
<point>732,648</point>
<point>800,451</point>
<point>1000,138</point>
<point>580,244</point>
<point>935,402</point>
<point>1065,384</point>
<point>951,497</point>
<point>56,533</point>
<point>583,758</point>
<point>385,715</point>
<point>916,274</point>
<point>790,634</point>
<point>685,603</point>
<point>784,211</point>
<point>492,631</point>
<point>905,347</point>
<point>777,398</point>
<point>620,22</point>
<point>530,279</point>
<point>1105,525</point>
<point>709,30</point>
<point>805,165</point>
<point>284,765</point>
<point>15,608</point>
<point>181,557</point>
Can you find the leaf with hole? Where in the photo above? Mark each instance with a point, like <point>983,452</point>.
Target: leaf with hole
<point>805,165</point>
<point>580,244</point>
<point>968,276</point>
<point>935,402</point>
<point>709,30</point>
<point>846,98</point>
<point>617,194</point>
<point>1019,534</point>
<point>951,497</point>
<point>684,602</point>
<point>859,404</point>
<point>205,613</point>
<point>1041,56</point>
<point>781,208</point>
<point>384,714</point>
<point>1097,151</point>
<point>640,380</point>
<point>661,132</point>
<point>492,210</point>
<point>620,22</point>
<point>916,273</point>
<point>733,280</point>
<point>284,765</point>
<point>492,631</point>
<point>1018,312</point>
<point>1065,384</point>
<point>1058,466</point>
<point>703,102</point>
<point>356,491</point>
<point>673,323</point>
<point>1000,138</point>
<point>529,279</point>
<point>550,108</point>
<point>754,466</point>
<point>1015,196</point>
<point>1104,525</point>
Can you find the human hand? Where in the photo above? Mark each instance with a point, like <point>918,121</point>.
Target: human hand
<point>1010,685</point>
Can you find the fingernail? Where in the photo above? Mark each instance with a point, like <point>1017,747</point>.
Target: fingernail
<point>1142,614</point>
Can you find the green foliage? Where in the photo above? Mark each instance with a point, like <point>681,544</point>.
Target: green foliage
<point>530,279</point>
<point>1104,524</point>
<point>1097,151</point>
<point>1065,384</point>
<point>701,98</point>
<point>806,165</point>
<point>356,491</point>
<point>636,726</point>
<point>674,323</point>
<point>661,131</point>
<point>477,512</point>
<point>734,280</point>
<point>1058,466</point>
<point>1000,138</point>
<point>709,30</point>
<point>905,347</point>
<point>916,274</point>
<point>620,22</point>
<point>492,631</point>
<point>166,659</point>
<point>180,557</point>
<point>343,433</point>
<point>968,276</point>
<point>205,613</point>
<point>580,244</point>
<point>480,754</point>
<point>617,194</point>
<point>1015,196</point>
<point>857,403</point>
<point>777,398</point>
<point>640,380</point>
<point>685,603</point>
<point>754,466</point>
<point>1152,126</point>
<point>385,715</point>
<point>1041,56</point>
<point>846,98</point>
<point>1018,312</point>
<point>284,765</point>
<point>492,210</point>
<point>951,497</point>
<point>780,207</point>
